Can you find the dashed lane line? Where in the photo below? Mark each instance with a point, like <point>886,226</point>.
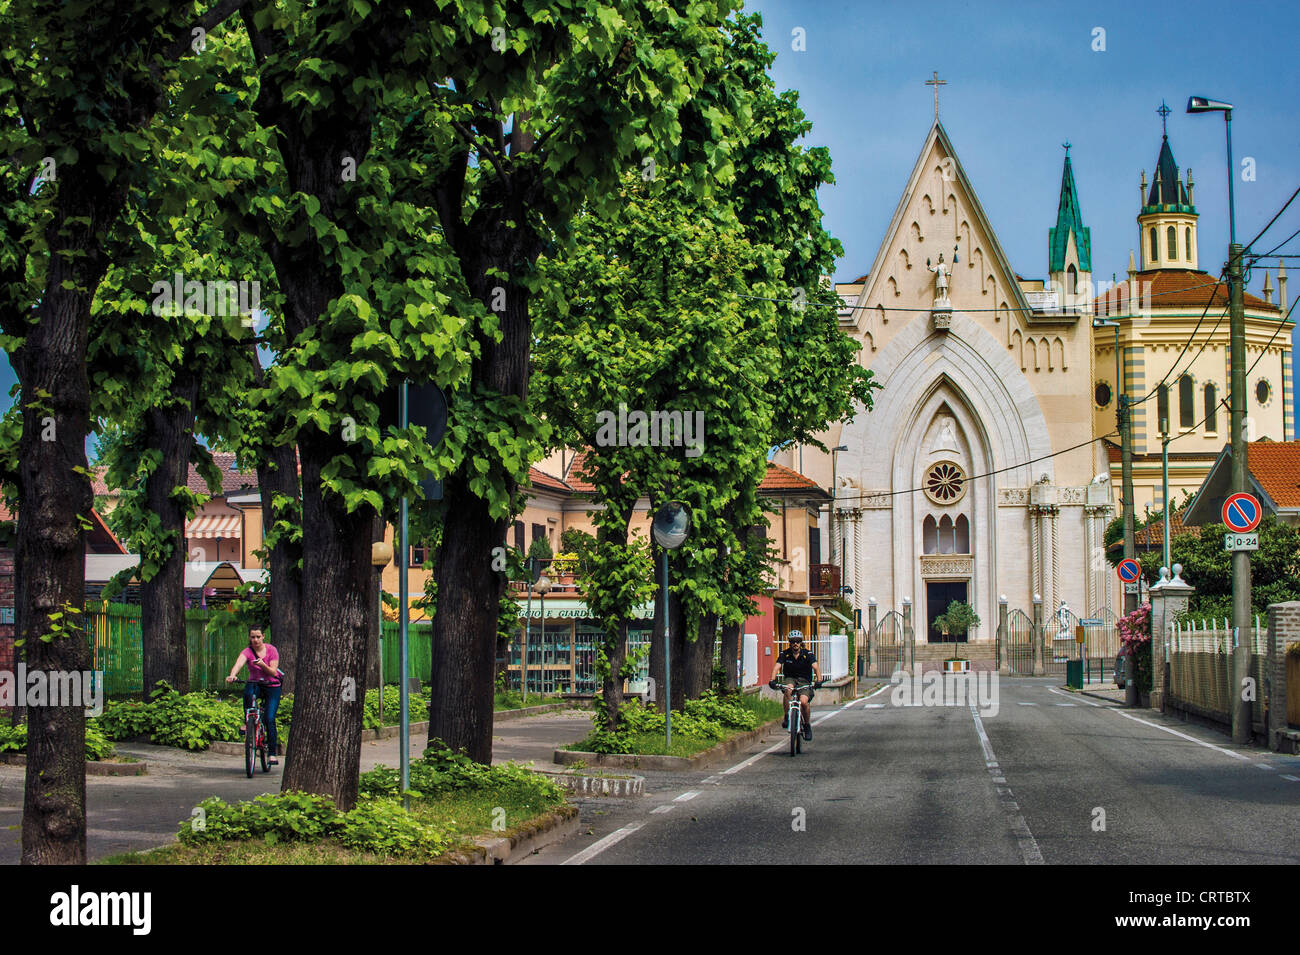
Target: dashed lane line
<point>1029,850</point>
<point>599,846</point>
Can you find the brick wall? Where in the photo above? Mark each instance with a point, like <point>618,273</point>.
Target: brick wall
<point>1283,628</point>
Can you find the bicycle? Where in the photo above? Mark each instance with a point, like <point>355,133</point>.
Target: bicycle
<point>794,716</point>
<point>255,742</point>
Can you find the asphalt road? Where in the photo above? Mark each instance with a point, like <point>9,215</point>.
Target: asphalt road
<point>1052,777</point>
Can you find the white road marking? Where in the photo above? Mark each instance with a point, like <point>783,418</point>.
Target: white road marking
<point>685,796</point>
<point>710,780</point>
<point>1026,704</point>
<point>1052,689</point>
<point>1029,850</point>
<point>1293,779</point>
<point>874,706</point>
<point>596,848</point>
<point>1063,704</point>
<point>1166,729</point>
<point>1265,766</point>
<point>666,807</point>
<point>753,759</point>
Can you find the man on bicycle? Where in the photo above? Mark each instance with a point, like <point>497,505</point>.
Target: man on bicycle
<point>264,680</point>
<point>799,667</point>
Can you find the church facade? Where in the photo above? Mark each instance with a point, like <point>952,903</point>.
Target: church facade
<point>978,474</point>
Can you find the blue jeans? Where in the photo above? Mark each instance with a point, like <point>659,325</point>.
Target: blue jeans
<point>271,701</point>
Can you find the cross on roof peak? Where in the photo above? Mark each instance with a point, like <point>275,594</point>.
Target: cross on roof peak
<point>1164,112</point>
<point>936,83</point>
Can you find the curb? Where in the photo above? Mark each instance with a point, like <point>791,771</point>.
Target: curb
<point>227,748</point>
<point>598,785</point>
<point>555,826</point>
<point>93,767</point>
<point>505,716</point>
<point>566,757</point>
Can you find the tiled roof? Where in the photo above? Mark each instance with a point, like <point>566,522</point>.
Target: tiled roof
<point>545,482</point>
<point>1276,466</point>
<point>231,480</point>
<point>576,478</point>
<point>1152,537</point>
<point>781,479</point>
<point>1173,288</point>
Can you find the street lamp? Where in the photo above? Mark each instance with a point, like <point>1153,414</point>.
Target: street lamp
<point>1237,409</point>
<point>542,587</point>
<point>1126,453</point>
<point>672,525</point>
<point>381,553</point>
<point>835,485</point>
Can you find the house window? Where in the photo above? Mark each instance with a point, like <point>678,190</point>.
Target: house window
<point>814,545</point>
<point>539,530</point>
<point>1211,409</point>
<point>1155,249</point>
<point>519,535</point>
<point>419,556</point>
<point>1172,237</point>
<point>1162,406</point>
<point>1187,246</point>
<point>1186,409</point>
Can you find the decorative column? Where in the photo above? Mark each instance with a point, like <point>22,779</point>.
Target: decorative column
<point>1004,658</point>
<point>1168,600</point>
<point>1053,513</point>
<point>856,517</point>
<point>1036,640</point>
<point>1035,578</point>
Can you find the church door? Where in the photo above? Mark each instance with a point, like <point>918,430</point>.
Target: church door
<point>938,594</point>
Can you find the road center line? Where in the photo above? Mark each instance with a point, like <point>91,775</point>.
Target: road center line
<point>596,848</point>
<point>1029,850</point>
<point>689,795</point>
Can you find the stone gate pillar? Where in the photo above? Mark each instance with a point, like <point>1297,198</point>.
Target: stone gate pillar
<point>1168,599</point>
<point>1036,638</point>
<point>1004,658</point>
<point>873,643</point>
<point>1283,628</point>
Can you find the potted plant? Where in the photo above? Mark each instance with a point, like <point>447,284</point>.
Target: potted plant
<point>958,617</point>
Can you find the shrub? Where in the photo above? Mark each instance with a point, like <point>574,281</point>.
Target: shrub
<point>192,720</point>
<point>727,712</point>
<point>382,826</point>
<point>13,739</point>
<point>275,817</point>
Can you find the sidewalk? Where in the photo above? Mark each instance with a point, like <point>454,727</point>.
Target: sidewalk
<point>141,812</point>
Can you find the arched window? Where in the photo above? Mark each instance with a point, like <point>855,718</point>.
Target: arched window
<point>945,535</point>
<point>1187,246</point>
<point>962,529</point>
<point>1211,410</point>
<point>929,536</point>
<point>1162,407</point>
<point>1172,239</point>
<point>1072,283</point>
<point>1155,249</point>
<point>1186,409</point>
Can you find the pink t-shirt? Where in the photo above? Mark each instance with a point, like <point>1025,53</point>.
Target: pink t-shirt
<point>256,671</point>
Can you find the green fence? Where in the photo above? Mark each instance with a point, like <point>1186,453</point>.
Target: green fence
<point>420,651</point>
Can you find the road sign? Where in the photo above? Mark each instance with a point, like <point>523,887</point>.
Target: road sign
<point>1080,635</point>
<point>1241,542</point>
<point>1241,512</point>
<point>1131,588</point>
<point>1091,622</point>
<point>1129,570</point>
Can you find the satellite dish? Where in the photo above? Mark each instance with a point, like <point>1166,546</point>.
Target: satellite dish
<point>672,524</point>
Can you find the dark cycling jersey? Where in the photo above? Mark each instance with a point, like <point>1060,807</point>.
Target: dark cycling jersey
<point>797,669</point>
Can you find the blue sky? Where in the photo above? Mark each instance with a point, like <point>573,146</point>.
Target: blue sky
<point>1022,79</point>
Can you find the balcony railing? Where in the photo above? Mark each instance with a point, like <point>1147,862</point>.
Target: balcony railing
<point>824,580</point>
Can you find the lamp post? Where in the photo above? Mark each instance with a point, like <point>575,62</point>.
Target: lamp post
<point>672,525</point>
<point>1164,486</point>
<point>835,484</point>
<point>1126,455</point>
<point>542,587</point>
<point>1237,348</point>
<point>381,552</point>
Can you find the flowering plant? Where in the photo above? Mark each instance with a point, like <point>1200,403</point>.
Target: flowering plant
<point>1135,634</point>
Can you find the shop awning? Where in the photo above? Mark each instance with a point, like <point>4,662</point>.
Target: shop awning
<point>559,609</point>
<point>213,526</point>
<point>838,616</point>
<point>794,609</point>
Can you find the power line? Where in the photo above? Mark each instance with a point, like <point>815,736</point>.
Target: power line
<point>1274,219</point>
<point>1183,350</point>
<point>976,477</point>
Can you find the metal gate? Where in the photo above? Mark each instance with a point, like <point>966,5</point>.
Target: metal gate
<point>889,644</point>
<point>1102,647</point>
<point>1059,644</point>
<point>1016,645</point>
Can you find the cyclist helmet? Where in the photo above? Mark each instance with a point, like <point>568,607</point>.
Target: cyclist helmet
<point>796,636</point>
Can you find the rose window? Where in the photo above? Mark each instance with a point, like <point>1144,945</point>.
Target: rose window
<point>945,483</point>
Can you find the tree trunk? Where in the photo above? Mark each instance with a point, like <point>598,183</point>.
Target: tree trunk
<point>277,475</point>
<point>698,665</point>
<point>612,686</point>
<point>677,631</point>
<point>465,624</point>
<point>730,654</point>
<point>164,645</point>
<point>374,665</point>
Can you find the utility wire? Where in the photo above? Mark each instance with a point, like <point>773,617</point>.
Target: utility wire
<point>1183,351</point>
<point>976,477</point>
<point>1274,219</point>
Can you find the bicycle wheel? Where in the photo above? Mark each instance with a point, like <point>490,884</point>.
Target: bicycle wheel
<point>250,741</point>
<point>262,747</point>
<point>794,730</point>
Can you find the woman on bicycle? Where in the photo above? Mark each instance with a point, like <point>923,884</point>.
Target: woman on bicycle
<point>800,667</point>
<point>263,679</point>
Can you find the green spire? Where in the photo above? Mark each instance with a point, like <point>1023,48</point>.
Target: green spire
<point>1068,219</point>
